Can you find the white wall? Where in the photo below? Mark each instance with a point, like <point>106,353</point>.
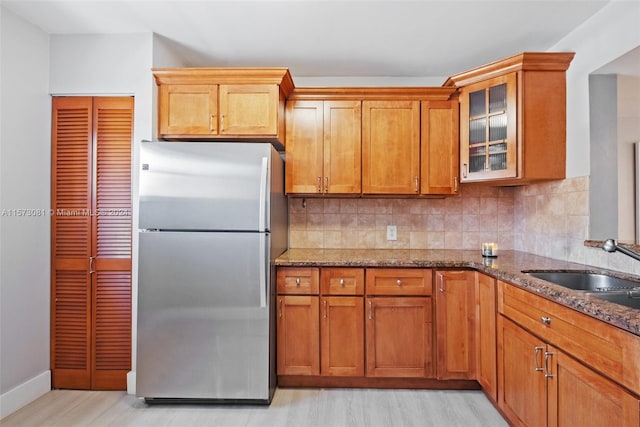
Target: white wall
<point>628,132</point>
<point>604,37</point>
<point>25,122</point>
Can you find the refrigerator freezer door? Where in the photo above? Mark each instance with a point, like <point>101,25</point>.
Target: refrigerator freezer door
<point>203,316</point>
<point>204,186</point>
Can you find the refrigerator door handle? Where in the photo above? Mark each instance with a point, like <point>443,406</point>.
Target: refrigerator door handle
<point>262,220</point>
<point>263,270</point>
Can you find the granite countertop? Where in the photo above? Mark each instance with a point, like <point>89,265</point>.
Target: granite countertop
<point>507,266</point>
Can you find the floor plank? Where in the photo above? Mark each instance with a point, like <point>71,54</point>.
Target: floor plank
<point>290,407</point>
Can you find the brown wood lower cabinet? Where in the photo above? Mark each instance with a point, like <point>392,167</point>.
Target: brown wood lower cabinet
<point>559,367</point>
<point>298,335</point>
<point>541,385</point>
<point>322,329</point>
<point>342,336</point>
<point>399,331</point>
<point>522,394</point>
<point>486,339</point>
<point>455,324</point>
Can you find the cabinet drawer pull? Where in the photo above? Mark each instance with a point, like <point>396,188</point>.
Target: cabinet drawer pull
<point>211,117</point>
<point>537,367</point>
<point>399,282</point>
<point>546,320</point>
<point>547,355</point>
<point>297,281</point>
<point>417,182</point>
<point>370,310</point>
<point>455,184</point>
<point>326,184</point>
<point>319,184</point>
<point>221,122</point>
<point>324,303</point>
<point>464,170</point>
<point>280,307</point>
<point>342,282</point>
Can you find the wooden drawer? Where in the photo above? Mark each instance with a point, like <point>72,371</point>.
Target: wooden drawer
<point>342,281</point>
<point>398,281</point>
<point>298,281</point>
<point>611,351</point>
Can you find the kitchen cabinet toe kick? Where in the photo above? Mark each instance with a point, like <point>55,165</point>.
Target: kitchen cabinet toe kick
<point>368,382</point>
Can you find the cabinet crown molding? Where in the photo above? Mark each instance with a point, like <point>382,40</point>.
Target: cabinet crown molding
<point>225,75</point>
<point>527,61</point>
<point>372,93</point>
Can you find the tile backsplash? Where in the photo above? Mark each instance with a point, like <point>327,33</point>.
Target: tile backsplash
<point>549,219</point>
<point>478,214</point>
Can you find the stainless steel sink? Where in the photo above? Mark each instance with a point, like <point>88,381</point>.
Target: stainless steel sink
<point>614,289</point>
<point>585,281</point>
<point>626,298</point>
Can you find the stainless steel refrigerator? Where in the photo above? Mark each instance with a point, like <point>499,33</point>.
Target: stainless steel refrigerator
<point>212,220</point>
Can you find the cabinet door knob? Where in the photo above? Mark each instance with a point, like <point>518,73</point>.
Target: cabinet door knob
<point>342,282</point>
<point>297,281</point>
<point>546,320</point>
<point>399,282</point>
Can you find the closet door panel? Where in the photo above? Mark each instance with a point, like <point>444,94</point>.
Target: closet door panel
<point>71,242</point>
<point>111,313</point>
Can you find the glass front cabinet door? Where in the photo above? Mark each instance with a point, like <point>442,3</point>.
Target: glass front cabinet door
<point>488,129</point>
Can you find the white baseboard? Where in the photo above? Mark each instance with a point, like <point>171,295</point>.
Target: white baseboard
<point>25,393</point>
<point>131,382</point>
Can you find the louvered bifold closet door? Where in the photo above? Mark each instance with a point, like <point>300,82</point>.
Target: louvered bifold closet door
<point>91,242</point>
<point>111,279</point>
<point>71,242</point>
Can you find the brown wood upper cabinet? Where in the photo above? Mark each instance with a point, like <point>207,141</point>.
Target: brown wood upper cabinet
<point>439,147</point>
<point>513,119</point>
<point>222,103</point>
<point>391,147</point>
<point>393,141</point>
<point>323,147</point>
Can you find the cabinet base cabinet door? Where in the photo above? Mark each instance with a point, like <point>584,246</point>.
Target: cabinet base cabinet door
<point>342,336</point>
<point>486,334</point>
<point>455,324</point>
<point>399,337</point>
<point>522,390</point>
<point>298,335</point>
<point>579,396</point>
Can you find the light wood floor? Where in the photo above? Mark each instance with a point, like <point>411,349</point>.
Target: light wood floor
<point>290,407</point>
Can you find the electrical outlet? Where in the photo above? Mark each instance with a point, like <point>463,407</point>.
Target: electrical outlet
<point>392,232</point>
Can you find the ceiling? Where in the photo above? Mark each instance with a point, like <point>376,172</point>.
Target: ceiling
<point>403,39</point>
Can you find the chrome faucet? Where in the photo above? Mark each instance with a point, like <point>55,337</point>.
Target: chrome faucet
<point>611,246</point>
